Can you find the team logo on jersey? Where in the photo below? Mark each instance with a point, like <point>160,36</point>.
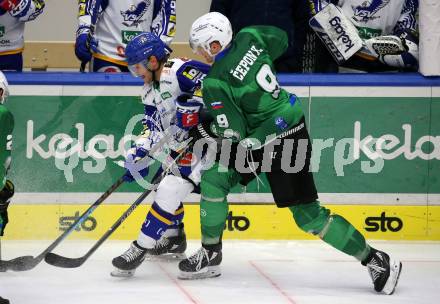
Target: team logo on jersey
<point>281,123</point>
<point>193,74</point>
<point>127,36</point>
<point>133,16</point>
<point>2,30</point>
<point>368,9</point>
<point>217,105</point>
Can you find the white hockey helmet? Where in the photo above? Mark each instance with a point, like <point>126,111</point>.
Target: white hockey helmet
<point>209,28</point>
<point>4,88</point>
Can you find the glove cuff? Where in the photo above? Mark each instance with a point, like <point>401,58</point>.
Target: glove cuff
<point>83,29</point>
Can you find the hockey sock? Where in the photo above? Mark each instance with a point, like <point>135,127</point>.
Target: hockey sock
<point>173,229</point>
<point>331,228</point>
<point>156,223</point>
<point>214,223</point>
<point>215,186</point>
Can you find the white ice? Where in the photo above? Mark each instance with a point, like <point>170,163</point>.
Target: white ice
<point>298,272</point>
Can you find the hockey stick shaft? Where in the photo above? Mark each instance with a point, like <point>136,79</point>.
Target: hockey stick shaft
<point>28,262</point>
<point>65,262</point>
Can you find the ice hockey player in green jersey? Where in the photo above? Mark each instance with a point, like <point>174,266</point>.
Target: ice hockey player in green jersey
<point>6,126</point>
<point>263,121</point>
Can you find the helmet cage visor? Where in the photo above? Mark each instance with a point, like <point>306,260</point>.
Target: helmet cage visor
<point>136,68</point>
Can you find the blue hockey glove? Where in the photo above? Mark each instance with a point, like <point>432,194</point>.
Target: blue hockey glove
<point>85,44</point>
<point>136,164</point>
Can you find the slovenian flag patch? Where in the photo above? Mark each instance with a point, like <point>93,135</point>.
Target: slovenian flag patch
<point>217,105</point>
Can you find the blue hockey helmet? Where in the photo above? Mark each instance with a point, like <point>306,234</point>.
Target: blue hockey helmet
<point>145,45</point>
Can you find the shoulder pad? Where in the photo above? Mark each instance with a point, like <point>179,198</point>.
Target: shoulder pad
<point>191,74</point>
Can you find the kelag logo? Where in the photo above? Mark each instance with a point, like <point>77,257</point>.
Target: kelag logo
<point>383,223</point>
<point>89,224</point>
<point>240,223</point>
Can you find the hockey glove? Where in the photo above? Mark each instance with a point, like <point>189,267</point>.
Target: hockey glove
<point>5,194</point>
<point>396,51</point>
<point>188,113</point>
<point>136,164</point>
<point>85,44</point>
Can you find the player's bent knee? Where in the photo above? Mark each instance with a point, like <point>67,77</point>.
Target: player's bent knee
<point>171,192</point>
<point>311,218</point>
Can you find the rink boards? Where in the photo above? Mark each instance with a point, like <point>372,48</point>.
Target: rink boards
<point>376,161</point>
<point>256,221</point>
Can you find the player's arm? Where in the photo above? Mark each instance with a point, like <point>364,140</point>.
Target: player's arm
<point>228,119</point>
<point>85,11</point>
<point>398,49</point>
<point>84,43</point>
<point>272,39</point>
<point>149,136</point>
<point>407,30</point>
<point>190,76</point>
<point>164,20</point>
<point>24,10</point>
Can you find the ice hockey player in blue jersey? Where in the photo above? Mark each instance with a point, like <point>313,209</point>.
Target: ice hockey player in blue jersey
<point>388,28</point>
<point>166,81</point>
<point>13,16</point>
<point>117,23</point>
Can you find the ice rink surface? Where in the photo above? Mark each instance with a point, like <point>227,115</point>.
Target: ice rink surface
<point>301,272</point>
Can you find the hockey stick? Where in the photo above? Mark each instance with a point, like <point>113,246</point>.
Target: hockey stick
<point>93,21</point>
<point>66,262</point>
<point>28,262</point>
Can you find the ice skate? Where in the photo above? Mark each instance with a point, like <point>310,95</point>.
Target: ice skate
<point>169,248</point>
<point>205,263</point>
<point>384,271</point>
<point>126,263</point>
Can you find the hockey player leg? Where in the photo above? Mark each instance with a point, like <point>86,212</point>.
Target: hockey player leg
<point>156,223</point>
<point>170,194</point>
<point>161,215</point>
<point>5,195</point>
<point>205,263</point>
<point>339,233</point>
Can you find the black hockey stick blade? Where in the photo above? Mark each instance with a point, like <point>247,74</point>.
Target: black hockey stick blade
<point>27,262</point>
<point>66,262</point>
<point>22,263</point>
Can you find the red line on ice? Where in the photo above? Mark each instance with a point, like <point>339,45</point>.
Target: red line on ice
<point>176,282</point>
<point>272,282</point>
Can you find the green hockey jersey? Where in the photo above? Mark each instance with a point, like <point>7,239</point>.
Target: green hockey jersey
<point>242,92</point>
<point>6,126</point>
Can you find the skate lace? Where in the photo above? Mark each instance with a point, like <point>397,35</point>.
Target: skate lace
<point>163,243</point>
<point>197,257</point>
<point>132,253</point>
<point>374,269</point>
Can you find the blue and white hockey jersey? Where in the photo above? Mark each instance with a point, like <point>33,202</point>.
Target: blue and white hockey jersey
<point>377,17</point>
<point>121,20</point>
<point>12,25</point>
<point>179,77</point>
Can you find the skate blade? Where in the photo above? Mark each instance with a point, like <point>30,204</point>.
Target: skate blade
<point>212,272</point>
<point>119,273</point>
<point>395,270</point>
<point>167,257</point>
